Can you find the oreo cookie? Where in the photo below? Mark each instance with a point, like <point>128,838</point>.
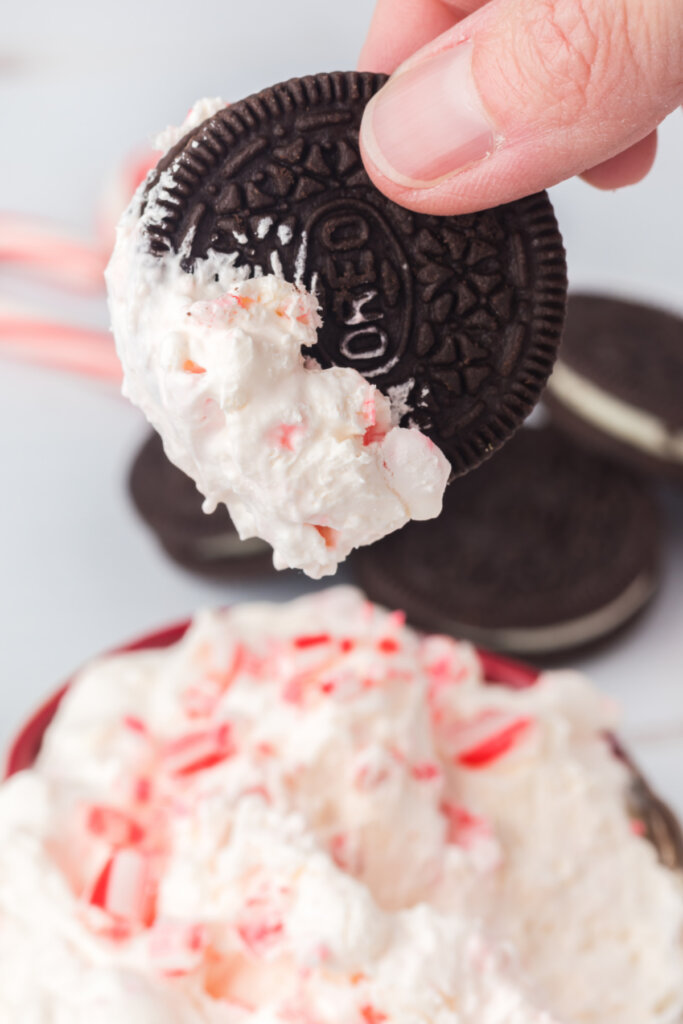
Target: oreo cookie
<point>456,319</point>
<point>660,825</point>
<point>171,505</point>
<point>617,383</point>
<point>544,549</point>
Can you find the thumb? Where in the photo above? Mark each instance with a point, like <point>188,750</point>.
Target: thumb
<point>520,95</point>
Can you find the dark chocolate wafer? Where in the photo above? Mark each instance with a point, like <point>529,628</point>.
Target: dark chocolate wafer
<point>171,505</point>
<point>617,385</point>
<point>457,319</point>
<point>545,548</point>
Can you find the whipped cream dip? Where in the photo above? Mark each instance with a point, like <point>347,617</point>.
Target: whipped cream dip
<point>309,813</point>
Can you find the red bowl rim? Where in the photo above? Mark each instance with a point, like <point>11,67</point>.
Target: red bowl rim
<point>25,747</point>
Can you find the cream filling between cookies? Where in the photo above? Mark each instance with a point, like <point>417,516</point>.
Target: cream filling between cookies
<point>585,628</point>
<point>228,545</point>
<point>615,417</point>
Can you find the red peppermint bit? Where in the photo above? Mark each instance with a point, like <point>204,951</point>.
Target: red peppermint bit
<point>371,1015</point>
<point>369,410</point>
<point>135,724</point>
<point>494,745</point>
<point>387,645</point>
<point>463,826</point>
<point>195,752</point>
<point>265,749</point>
<point>367,777</point>
<point>113,826</point>
<point>425,771</point>
<point>125,889</point>
<point>282,435</point>
<point>638,827</point>
<point>294,689</point>
<point>201,699</point>
<point>372,435</point>
<point>312,640</point>
<point>177,948</point>
<point>357,977</point>
<point>328,687</point>
<point>260,935</point>
<point>347,645</point>
<point>440,669</point>
<point>328,535</point>
<point>398,619</point>
<point>117,931</point>
<point>216,682</point>
<point>339,851</point>
<point>142,790</point>
<point>244,301</point>
<point>258,791</point>
<point>189,366</point>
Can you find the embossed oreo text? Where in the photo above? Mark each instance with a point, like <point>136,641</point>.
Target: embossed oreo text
<point>361,275</point>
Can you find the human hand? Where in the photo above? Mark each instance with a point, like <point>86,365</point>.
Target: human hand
<point>508,97</point>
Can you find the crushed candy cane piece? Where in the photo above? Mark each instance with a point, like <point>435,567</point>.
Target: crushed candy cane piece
<point>189,366</point>
<point>113,826</point>
<point>473,834</point>
<point>124,888</point>
<point>197,751</point>
<point>329,535</point>
<point>480,741</point>
<point>425,772</point>
<point>283,435</point>
<point>177,948</point>
<point>371,1015</point>
<point>312,640</point>
<point>260,934</point>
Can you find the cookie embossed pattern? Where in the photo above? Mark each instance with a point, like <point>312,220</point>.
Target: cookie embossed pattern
<point>315,357</point>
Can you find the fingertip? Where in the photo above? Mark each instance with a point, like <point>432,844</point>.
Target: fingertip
<point>626,168</point>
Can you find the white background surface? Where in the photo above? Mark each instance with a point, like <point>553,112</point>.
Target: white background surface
<point>78,573</point>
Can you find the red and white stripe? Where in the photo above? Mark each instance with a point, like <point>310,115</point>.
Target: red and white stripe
<point>27,337</point>
<point>118,192</point>
<point>480,741</point>
<point>125,888</point>
<point>36,245</point>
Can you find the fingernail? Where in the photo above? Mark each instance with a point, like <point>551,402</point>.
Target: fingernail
<point>428,122</point>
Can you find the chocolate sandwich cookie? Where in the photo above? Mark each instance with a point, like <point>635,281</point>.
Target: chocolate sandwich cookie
<point>617,384</point>
<point>171,506</point>
<point>456,319</point>
<point>545,548</point>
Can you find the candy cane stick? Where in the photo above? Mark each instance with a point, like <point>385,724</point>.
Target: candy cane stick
<point>118,192</point>
<point>36,245</point>
<point>26,337</point>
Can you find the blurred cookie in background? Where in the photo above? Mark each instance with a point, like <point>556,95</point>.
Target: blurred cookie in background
<point>618,383</point>
<point>543,549</point>
<point>171,505</point>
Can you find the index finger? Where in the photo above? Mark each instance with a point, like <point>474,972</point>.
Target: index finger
<point>400,27</point>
